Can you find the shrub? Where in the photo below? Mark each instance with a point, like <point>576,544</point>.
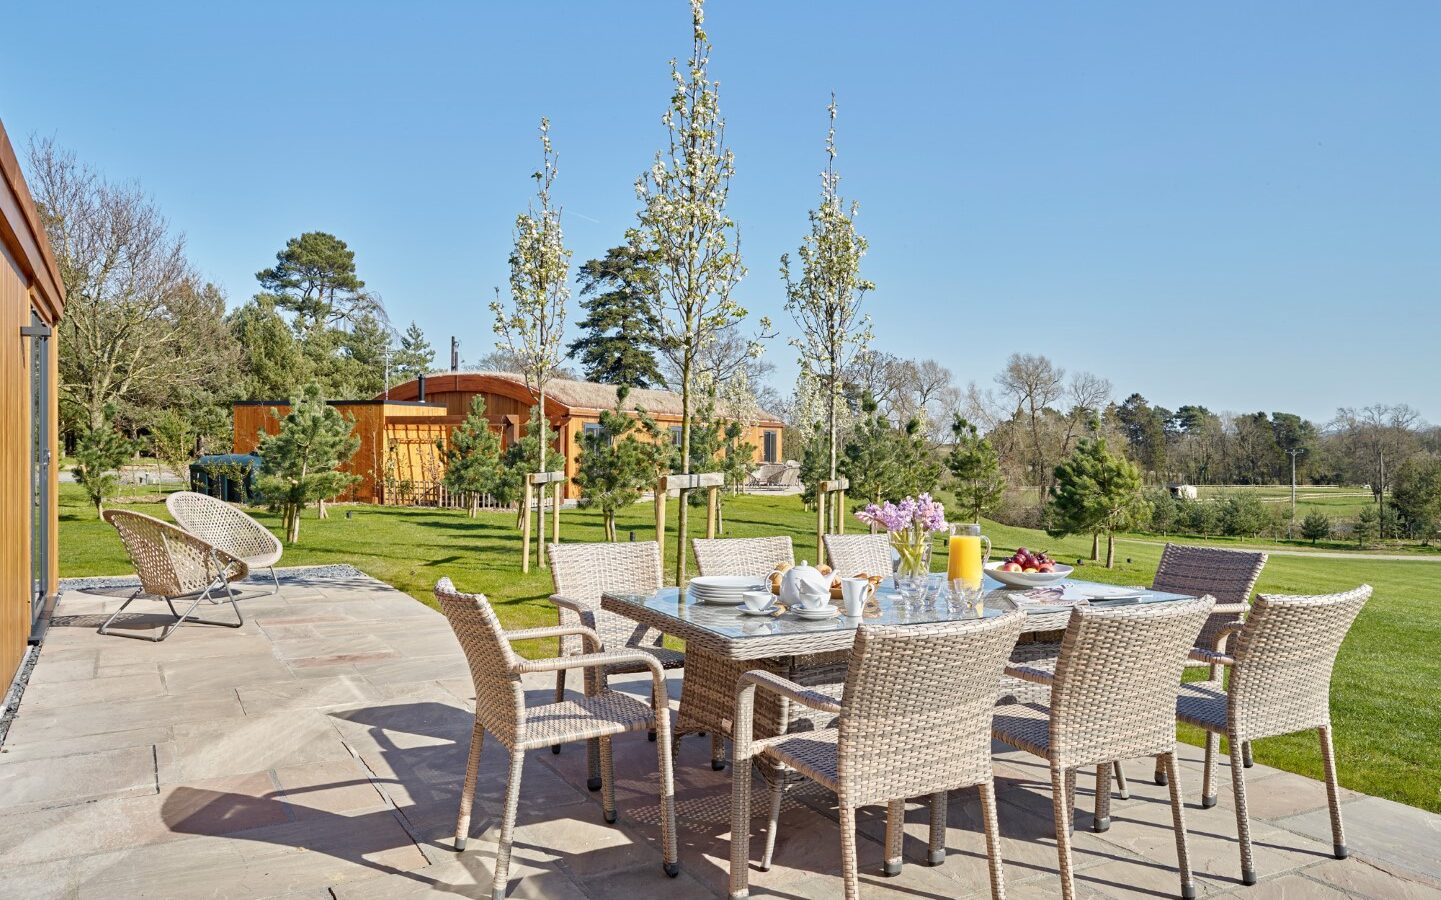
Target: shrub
<point>1244,515</point>
<point>1200,516</point>
<point>1315,527</point>
<point>1165,511</point>
<point>1366,526</point>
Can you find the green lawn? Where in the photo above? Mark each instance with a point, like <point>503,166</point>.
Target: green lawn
<point>1388,721</point>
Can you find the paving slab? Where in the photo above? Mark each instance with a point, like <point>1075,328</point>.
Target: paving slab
<point>1382,830</point>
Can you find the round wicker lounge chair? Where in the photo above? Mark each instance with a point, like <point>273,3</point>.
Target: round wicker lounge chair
<point>222,525</point>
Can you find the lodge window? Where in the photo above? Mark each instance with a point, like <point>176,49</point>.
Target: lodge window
<point>675,435</point>
<point>769,441</point>
<point>593,428</point>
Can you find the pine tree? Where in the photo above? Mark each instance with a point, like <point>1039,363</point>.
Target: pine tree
<point>300,462</point>
<point>1096,491</point>
<point>99,455</point>
<point>976,467</point>
<point>520,456</point>
<point>916,468</point>
<point>869,457</point>
<point>473,462</point>
<point>615,292</point>
<point>413,358</point>
<point>1367,525</point>
<point>1315,527</point>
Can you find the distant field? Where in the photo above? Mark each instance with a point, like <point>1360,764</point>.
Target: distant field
<point>1388,724</point>
<point>1341,503</point>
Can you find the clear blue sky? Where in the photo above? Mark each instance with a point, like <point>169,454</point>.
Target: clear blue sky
<point>1233,204</point>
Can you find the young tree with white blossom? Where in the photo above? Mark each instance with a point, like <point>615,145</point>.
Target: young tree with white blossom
<point>696,245</point>
<point>825,300</point>
<point>530,331</point>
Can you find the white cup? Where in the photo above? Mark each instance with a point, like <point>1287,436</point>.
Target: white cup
<point>756,601</point>
<point>816,602</point>
<point>854,594</point>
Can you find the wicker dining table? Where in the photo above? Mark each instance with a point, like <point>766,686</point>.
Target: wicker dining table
<point>722,642</point>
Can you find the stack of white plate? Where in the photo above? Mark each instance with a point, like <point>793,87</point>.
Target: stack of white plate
<point>728,590</point>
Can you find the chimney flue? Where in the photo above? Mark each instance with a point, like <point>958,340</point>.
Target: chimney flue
<point>421,379</point>
<point>454,354</point>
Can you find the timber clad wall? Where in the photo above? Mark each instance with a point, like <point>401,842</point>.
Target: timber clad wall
<point>398,461</point>
<point>29,286</point>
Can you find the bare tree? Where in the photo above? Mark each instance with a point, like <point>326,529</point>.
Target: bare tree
<point>132,298</point>
<point>1087,396</point>
<point>1033,384</point>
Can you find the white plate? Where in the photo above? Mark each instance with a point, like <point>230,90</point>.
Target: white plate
<point>825,612</point>
<point>1025,580</point>
<point>727,583</point>
<point>746,610</point>
<point>720,599</point>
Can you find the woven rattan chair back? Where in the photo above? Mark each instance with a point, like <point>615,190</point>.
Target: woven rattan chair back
<point>583,572</point>
<point>742,556</point>
<point>169,561</point>
<point>857,554</point>
<point>917,706</point>
<point>1227,575</point>
<point>221,524</point>
<point>1114,695</point>
<point>499,697</point>
<point>1284,654</point>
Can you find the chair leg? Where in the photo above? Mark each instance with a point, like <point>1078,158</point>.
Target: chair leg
<point>592,764</point>
<point>778,791</point>
<point>507,826</point>
<point>850,870</point>
<point>1123,790</point>
<point>1101,820</point>
<point>1070,800</point>
<point>104,626</point>
<point>1061,782</point>
<point>1243,820</point>
<point>670,856</point>
<point>607,780</point>
<point>895,837</point>
<point>740,824</point>
<point>1246,759</point>
<point>940,802</point>
<point>717,751</point>
<point>1178,820</point>
<point>1160,773</point>
<point>993,839</point>
<point>559,698</point>
<point>1208,772</point>
<point>467,792</point>
<point>274,580</point>
<point>1333,794</point>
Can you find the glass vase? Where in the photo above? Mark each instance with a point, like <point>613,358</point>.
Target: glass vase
<point>913,569</point>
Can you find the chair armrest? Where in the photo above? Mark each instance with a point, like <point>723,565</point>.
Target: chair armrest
<point>1031,674</point>
<point>790,690</point>
<point>590,639</point>
<point>579,607</point>
<point>588,661</point>
<point>1212,657</point>
<point>1223,637</point>
<point>1230,609</point>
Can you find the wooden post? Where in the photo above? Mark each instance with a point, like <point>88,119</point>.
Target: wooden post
<point>712,517</point>
<point>555,513</point>
<point>542,482</point>
<point>711,481</point>
<point>540,531</point>
<point>660,517</point>
<point>821,525</point>
<point>841,512</point>
<point>525,526</point>
<point>830,512</point>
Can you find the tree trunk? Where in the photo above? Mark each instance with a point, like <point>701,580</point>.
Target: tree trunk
<point>1095,546</point>
<point>682,517</point>
<point>1110,549</point>
<point>832,414</point>
<point>320,511</point>
<point>474,504</point>
<point>292,523</point>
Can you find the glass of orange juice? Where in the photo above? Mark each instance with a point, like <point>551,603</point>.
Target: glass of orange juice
<point>968,552</point>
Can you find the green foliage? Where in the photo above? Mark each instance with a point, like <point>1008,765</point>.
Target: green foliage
<point>473,461</point>
<point>314,278</point>
<point>1416,497</point>
<point>620,321</point>
<point>1166,513</point>
<point>615,467</point>
<point>1244,515</point>
<point>869,458</point>
<point>1316,527</point>
<point>172,439</point>
<point>917,470</point>
<point>413,358</point>
<point>1199,516</point>
<point>272,357</point>
<point>300,461</point>
<point>1366,526</point>
<point>521,457</point>
<point>99,454</point>
<point>1096,491</point>
<point>1145,429</point>
<point>976,468</point>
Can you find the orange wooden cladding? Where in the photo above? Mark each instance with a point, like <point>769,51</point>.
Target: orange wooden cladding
<point>29,280</point>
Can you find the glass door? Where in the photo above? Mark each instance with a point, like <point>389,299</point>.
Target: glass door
<point>39,335</point>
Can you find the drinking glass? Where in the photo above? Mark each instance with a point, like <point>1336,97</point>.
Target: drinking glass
<point>967,597</point>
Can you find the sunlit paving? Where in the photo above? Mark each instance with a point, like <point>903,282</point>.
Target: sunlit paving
<point>414,487</point>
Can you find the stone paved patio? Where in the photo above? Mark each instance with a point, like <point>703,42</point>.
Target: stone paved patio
<point>318,751</point>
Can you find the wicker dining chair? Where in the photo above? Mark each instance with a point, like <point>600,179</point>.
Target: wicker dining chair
<point>1111,699</point>
<point>581,573</point>
<point>910,723</point>
<point>856,554</point>
<point>1280,663</point>
<point>222,525</point>
<point>599,715</point>
<point>1227,575</point>
<point>742,556</point>
<point>174,565</point>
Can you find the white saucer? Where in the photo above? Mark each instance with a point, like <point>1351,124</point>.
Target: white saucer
<point>769,610</point>
<point>825,612</point>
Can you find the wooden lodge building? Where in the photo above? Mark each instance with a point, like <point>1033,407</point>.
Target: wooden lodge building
<point>398,461</point>
<point>32,298</point>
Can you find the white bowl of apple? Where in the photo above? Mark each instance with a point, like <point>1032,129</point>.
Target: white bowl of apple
<point>1028,569</point>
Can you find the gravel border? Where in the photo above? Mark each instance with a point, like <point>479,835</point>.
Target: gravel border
<point>291,575</point>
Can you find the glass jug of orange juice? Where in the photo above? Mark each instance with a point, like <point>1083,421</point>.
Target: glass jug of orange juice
<point>969,551</point>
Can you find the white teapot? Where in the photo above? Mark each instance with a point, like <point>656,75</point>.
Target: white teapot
<point>805,585</point>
